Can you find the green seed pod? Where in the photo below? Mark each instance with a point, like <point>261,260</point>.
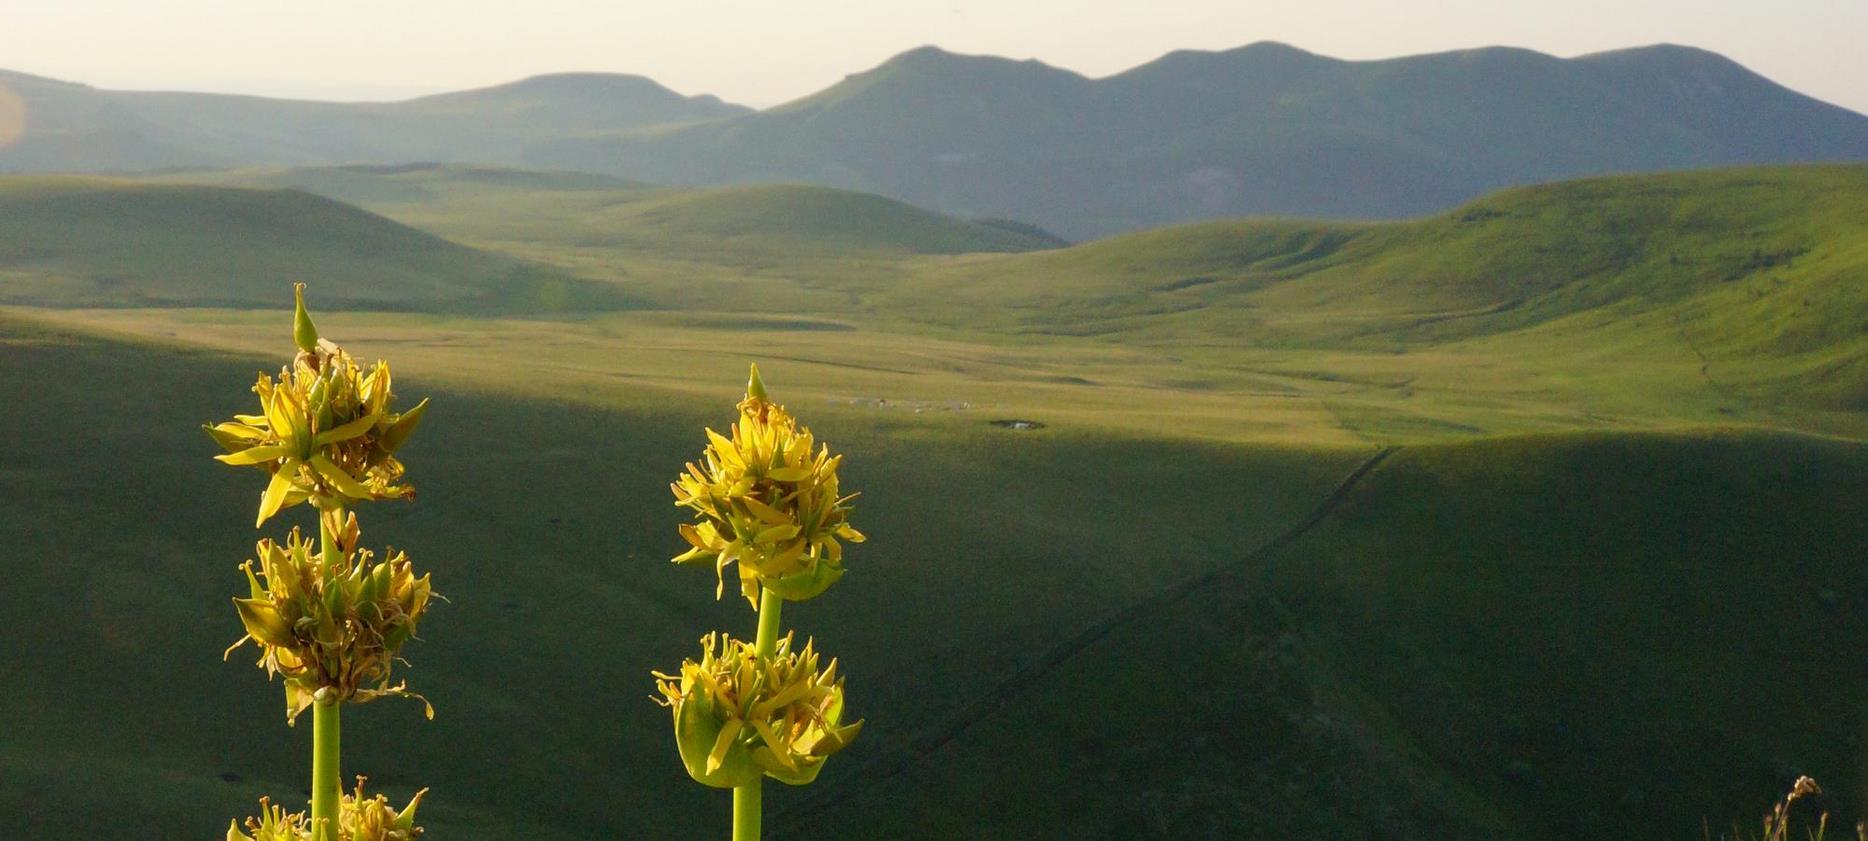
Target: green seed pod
<point>304,333</point>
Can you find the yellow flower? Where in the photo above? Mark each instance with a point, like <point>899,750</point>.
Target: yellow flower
<point>738,715</point>
<point>331,627</point>
<point>358,819</point>
<point>766,498</point>
<point>326,431</point>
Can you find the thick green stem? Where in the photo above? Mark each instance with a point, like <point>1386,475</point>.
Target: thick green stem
<point>746,808</point>
<point>325,793</point>
<point>326,729</point>
<point>747,799</point>
<point>767,640</point>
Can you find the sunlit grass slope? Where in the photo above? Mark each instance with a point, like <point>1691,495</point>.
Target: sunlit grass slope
<point>546,523</point>
<point>74,241</point>
<point>1557,636</point>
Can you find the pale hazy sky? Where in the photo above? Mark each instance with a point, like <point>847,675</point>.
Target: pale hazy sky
<point>762,53</point>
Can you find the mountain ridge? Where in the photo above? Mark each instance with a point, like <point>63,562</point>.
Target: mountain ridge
<point>1262,129</point>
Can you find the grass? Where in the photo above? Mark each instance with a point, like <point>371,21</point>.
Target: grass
<point>1605,586</point>
<point>561,597</point>
<point>76,241</point>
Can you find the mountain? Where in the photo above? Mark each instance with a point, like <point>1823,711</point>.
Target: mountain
<point>1263,129</point>
<point>71,127</point>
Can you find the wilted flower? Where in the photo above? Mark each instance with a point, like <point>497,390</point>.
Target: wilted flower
<point>331,625</point>
<point>738,715</point>
<point>359,819</point>
<point>326,431</point>
<point>765,500</point>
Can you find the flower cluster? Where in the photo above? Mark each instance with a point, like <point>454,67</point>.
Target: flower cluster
<point>358,819</point>
<point>331,624</point>
<point>738,715</point>
<point>326,432</point>
<point>767,499</point>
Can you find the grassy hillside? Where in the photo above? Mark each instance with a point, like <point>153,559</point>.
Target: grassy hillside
<point>1564,636</point>
<point>1451,641</point>
<point>1753,273</point>
<point>75,241</point>
<point>1632,302</point>
<point>772,221</point>
<point>122,719</point>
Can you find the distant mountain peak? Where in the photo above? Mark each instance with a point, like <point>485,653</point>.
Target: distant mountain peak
<point>931,57</point>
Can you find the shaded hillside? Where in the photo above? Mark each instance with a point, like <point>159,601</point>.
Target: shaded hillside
<point>1263,129</point>
<point>793,222</point>
<point>534,738</point>
<point>76,241</point>
<point>1605,636</point>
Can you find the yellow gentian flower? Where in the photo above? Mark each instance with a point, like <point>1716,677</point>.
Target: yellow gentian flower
<point>359,819</point>
<point>766,497</point>
<point>326,431</point>
<point>331,627</point>
<point>738,715</point>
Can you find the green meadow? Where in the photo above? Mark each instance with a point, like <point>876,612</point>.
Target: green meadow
<point>1542,518</point>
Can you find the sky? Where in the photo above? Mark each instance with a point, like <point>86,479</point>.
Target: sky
<point>763,52</point>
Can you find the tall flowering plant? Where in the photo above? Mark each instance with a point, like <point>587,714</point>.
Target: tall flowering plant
<point>330,620</point>
<point>765,501</point>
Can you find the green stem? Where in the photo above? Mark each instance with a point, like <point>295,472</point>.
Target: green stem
<point>769,605</point>
<point>748,799</point>
<point>746,808</point>
<point>325,795</point>
<point>326,727</point>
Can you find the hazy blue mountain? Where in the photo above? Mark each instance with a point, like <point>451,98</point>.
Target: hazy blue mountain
<point>1263,129</point>
<point>77,127</point>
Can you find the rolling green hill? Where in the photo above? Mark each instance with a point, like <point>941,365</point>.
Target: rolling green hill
<point>1756,272</point>
<point>75,241</point>
<point>769,222</point>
